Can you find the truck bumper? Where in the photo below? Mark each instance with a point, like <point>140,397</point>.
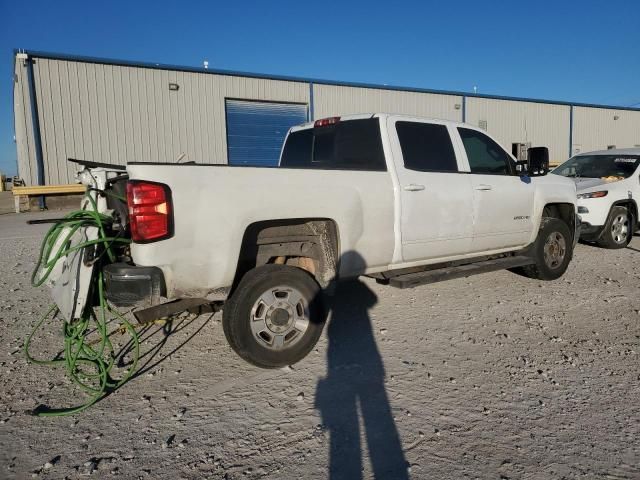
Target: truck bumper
<point>128,285</point>
<point>594,210</point>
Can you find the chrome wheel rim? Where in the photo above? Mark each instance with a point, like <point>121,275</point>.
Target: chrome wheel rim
<point>620,229</point>
<point>555,249</point>
<point>279,318</point>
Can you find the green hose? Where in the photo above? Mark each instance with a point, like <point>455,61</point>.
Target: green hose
<point>88,364</point>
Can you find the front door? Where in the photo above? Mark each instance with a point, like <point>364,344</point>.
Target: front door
<point>502,200</point>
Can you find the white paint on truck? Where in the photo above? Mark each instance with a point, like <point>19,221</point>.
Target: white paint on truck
<point>393,219</point>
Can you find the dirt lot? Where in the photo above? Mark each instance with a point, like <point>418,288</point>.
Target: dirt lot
<point>493,376</point>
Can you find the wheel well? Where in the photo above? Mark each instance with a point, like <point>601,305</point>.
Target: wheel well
<point>564,211</point>
<point>630,205</point>
<point>307,243</point>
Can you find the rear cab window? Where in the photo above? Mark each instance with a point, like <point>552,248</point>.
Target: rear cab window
<point>345,145</point>
<point>426,147</point>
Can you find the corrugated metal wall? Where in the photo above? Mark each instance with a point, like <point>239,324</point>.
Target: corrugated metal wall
<point>338,100</point>
<point>116,114</point>
<point>542,124</point>
<point>119,113</point>
<point>597,128</point>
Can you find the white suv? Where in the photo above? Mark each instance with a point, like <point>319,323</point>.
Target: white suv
<point>608,186</point>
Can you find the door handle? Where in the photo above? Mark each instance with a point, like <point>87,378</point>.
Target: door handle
<point>483,187</point>
<point>412,187</point>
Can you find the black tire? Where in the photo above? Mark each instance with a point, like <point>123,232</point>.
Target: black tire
<point>279,343</point>
<point>551,229</point>
<point>612,236</point>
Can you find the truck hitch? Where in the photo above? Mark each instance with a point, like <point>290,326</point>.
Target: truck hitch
<point>193,305</point>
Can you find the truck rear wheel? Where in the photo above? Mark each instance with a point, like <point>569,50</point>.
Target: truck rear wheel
<point>617,232</point>
<point>552,250</point>
<point>275,316</point>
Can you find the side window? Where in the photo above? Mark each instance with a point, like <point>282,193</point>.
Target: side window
<point>426,147</point>
<point>352,145</point>
<point>297,149</point>
<point>485,155</point>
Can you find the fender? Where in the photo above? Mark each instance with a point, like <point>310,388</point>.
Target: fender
<point>634,211</point>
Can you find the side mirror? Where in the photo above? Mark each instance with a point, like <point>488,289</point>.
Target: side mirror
<point>538,161</point>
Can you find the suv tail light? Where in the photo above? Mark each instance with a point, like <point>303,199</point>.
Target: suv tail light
<point>150,215</point>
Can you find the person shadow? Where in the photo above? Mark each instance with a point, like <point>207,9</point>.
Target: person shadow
<point>354,388</point>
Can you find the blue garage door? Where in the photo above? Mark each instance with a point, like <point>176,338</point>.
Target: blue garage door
<point>256,130</point>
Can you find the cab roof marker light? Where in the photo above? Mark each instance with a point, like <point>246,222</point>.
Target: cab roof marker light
<point>324,122</point>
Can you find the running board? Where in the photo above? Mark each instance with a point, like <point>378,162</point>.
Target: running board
<point>411,280</point>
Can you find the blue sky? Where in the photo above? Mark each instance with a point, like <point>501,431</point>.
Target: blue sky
<point>583,51</point>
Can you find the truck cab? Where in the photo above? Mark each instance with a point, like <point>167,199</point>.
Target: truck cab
<point>458,193</point>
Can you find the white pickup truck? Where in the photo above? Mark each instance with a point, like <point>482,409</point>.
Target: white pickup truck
<point>404,200</point>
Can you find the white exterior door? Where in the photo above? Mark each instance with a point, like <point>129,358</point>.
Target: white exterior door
<point>435,198</point>
<point>502,200</point>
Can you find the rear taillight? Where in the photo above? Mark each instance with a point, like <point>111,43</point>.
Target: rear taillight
<point>150,215</point>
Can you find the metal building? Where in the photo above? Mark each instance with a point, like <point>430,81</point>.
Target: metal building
<point>114,111</point>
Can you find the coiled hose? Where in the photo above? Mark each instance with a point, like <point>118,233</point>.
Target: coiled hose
<point>88,363</point>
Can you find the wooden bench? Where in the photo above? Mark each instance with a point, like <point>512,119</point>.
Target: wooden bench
<point>19,192</point>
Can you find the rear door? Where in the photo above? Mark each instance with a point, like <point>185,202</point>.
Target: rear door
<point>435,197</point>
<point>502,200</point>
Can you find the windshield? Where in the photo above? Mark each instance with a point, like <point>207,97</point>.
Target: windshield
<point>599,166</point>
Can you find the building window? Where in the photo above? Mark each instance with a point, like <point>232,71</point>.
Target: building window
<point>256,130</point>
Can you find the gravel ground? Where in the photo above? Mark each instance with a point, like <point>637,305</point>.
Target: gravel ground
<point>494,376</point>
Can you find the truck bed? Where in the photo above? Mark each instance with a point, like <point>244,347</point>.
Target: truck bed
<point>214,204</point>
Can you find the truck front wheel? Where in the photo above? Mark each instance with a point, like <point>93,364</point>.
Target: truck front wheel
<point>552,250</point>
<point>275,316</point>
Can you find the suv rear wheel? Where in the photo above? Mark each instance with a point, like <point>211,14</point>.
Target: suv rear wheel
<point>275,316</point>
<point>617,232</point>
<point>552,250</point>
